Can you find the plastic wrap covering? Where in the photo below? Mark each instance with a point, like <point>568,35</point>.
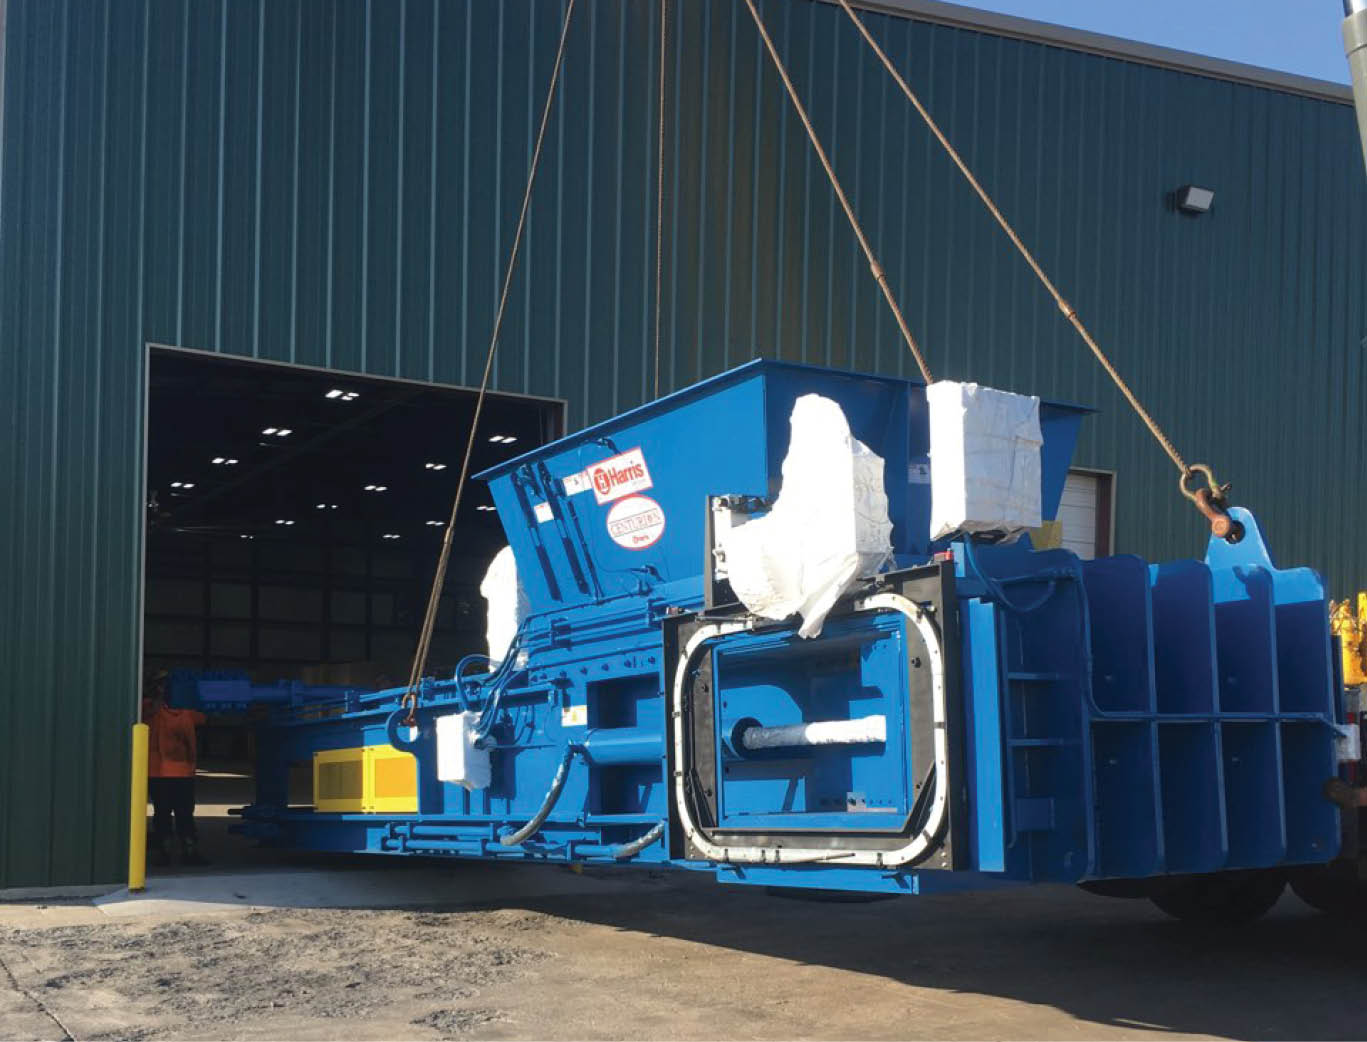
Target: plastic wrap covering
<point>828,527</point>
<point>458,758</point>
<point>984,460</point>
<point>861,731</point>
<point>507,600</point>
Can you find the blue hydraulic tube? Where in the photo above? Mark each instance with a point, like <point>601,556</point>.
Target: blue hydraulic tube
<point>623,746</point>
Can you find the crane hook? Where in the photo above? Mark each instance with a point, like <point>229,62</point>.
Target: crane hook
<point>1212,500</point>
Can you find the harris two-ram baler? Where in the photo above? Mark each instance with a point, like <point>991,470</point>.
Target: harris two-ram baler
<point>976,712</point>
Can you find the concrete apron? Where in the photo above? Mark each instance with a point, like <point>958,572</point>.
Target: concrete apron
<point>389,887</point>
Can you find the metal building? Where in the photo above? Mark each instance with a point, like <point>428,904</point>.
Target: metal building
<point>335,185</point>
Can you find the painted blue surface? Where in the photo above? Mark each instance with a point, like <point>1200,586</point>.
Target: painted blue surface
<point>1120,719</point>
<point>232,691</point>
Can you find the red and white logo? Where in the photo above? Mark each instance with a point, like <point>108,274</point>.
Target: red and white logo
<point>636,522</point>
<point>619,476</point>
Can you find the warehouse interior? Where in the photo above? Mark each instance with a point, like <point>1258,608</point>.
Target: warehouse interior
<point>294,517</point>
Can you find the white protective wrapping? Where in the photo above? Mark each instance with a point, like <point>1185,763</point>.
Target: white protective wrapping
<point>507,602</point>
<point>984,460</point>
<point>458,758</point>
<point>860,731</point>
<point>828,527</point>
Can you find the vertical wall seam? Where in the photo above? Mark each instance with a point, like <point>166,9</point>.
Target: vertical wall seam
<point>756,144</point>
<point>433,172</point>
<point>705,104</point>
<point>184,152</point>
<point>617,404</point>
<point>222,129</point>
<point>365,197</point>
<point>294,188</point>
<point>590,137</point>
<point>330,260</point>
<point>257,186</point>
<point>92,453</point>
<point>53,461</point>
<point>465,206</point>
<point>529,239</point>
<point>397,369</point>
<point>728,237</point>
<point>667,377</point>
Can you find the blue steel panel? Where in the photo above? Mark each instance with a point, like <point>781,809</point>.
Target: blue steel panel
<point>982,686</point>
<point>336,184</point>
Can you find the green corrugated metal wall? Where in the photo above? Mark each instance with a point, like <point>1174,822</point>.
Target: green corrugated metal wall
<point>335,183</point>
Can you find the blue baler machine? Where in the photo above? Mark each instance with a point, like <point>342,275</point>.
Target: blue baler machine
<point>1133,727</point>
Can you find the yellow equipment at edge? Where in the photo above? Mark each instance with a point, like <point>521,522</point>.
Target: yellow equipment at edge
<point>1351,631</point>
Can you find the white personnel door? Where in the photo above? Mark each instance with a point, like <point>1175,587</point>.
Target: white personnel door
<point>1079,513</point>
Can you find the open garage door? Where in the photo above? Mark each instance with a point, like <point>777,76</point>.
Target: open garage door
<point>294,517</point>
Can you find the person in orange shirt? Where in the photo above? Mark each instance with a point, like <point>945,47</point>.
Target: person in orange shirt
<point>171,754</point>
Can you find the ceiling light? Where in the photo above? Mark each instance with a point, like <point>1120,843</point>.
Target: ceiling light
<point>434,466</point>
<point>219,459</point>
<point>503,439</point>
<point>224,461</point>
<point>269,430</point>
<point>486,507</point>
<point>377,488</point>
<point>435,524</point>
<point>283,521</point>
<point>182,484</point>
<point>245,536</point>
<point>278,432</point>
<point>1195,199</point>
<point>337,394</point>
<point>334,393</point>
<point>391,535</point>
<point>325,506</point>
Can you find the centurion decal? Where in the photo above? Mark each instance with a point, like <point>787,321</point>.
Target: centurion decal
<point>636,522</point>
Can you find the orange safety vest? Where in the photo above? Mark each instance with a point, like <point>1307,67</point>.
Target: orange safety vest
<point>171,742</point>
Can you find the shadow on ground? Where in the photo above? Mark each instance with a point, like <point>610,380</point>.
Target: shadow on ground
<point>1110,963</point>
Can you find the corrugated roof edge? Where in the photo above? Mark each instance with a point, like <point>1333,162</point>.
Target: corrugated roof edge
<point>1110,47</point>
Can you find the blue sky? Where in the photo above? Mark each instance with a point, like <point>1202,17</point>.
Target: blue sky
<point>1300,36</point>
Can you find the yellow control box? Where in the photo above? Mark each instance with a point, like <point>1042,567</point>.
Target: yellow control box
<point>372,779</point>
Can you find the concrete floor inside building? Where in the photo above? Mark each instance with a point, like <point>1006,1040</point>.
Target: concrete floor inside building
<point>538,952</point>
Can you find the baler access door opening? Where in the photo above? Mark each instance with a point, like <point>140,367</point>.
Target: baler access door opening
<point>838,750</point>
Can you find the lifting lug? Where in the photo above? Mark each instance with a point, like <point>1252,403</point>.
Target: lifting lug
<point>1212,501</point>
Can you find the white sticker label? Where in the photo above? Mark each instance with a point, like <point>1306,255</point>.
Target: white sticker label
<point>636,522</point>
<point>577,483</point>
<point>542,512</point>
<point>918,473</point>
<point>574,716</point>
<point>619,476</point>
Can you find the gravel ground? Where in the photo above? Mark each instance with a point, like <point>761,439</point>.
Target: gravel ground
<point>212,976</point>
<point>680,957</point>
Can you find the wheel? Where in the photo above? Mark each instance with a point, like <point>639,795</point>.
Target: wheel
<point>1221,899</point>
<point>1330,891</point>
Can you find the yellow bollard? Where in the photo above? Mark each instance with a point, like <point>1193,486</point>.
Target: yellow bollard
<point>137,812</point>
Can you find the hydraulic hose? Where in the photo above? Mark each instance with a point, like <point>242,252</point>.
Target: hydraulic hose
<point>625,850</point>
<point>994,586</point>
<point>547,805</point>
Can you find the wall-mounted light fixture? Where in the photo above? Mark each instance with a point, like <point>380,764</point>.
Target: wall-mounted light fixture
<point>1195,199</point>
